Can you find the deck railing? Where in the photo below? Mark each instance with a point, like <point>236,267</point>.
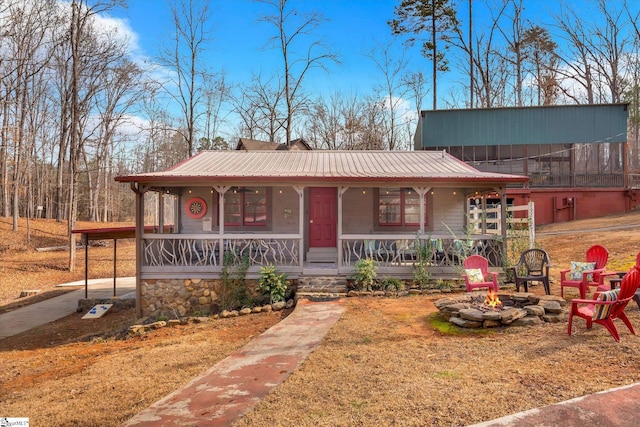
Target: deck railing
<point>577,180</point>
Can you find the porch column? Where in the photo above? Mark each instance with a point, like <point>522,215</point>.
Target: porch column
<point>483,215</point>
<point>139,190</point>
<point>503,219</point>
<point>422,192</point>
<point>160,212</point>
<point>300,191</point>
<point>341,191</point>
<point>221,189</point>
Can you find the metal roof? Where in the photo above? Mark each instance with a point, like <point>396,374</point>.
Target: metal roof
<point>558,124</point>
<point>320,166</point>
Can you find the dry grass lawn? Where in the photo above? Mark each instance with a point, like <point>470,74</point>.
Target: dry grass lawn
<point>384,362</point>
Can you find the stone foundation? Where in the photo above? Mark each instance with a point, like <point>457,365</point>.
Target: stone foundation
<point>182,297</point>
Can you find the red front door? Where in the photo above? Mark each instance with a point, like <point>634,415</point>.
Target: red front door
<point>323,217</point>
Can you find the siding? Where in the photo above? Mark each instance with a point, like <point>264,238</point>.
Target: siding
<point>285,210</point>
<point>567,124</point>
<point>357,211</point>
<point>448,211</point>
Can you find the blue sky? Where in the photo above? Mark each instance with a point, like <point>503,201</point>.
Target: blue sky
<point>352,29</point>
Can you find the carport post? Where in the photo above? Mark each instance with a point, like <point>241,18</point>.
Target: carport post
<point>115,254</point>
<point>85,237</point>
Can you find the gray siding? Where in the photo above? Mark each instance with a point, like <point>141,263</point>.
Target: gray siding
<point>285,210</point>
<point>448,211</point>
<point>357,211</point>
<point>190,225</point>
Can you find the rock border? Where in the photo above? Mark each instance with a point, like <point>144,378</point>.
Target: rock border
<point>141,328</point>
<point>522,309</point>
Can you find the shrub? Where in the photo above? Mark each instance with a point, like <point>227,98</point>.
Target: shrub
<point>392,284</point>
<point>421,275</point>
<point>234,287</point>
<point>272,284</point>
<point>366,273</point>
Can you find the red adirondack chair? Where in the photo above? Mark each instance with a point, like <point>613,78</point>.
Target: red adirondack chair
<point>488,279</point>
<point>595,254</point>
<point>605,307</point>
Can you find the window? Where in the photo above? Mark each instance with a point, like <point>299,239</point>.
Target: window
<point>245,206</point>
<point>399,207</point>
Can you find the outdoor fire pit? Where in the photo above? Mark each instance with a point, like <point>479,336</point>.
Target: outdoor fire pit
<point>492,310</point>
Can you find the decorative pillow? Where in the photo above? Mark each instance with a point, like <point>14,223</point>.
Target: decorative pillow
<point>577,268</point>
<point>602,310</point>
<point>474,275</point>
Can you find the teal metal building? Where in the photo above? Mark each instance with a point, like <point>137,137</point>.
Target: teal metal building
<point>574,155</point>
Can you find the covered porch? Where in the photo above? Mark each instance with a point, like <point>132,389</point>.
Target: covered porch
<point>312,213</point>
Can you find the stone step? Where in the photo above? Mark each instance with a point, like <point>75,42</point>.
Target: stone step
<point>320,296</point>
<point>322,255</point>
<point>321,284</point>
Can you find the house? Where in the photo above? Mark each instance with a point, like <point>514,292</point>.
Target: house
<point>257,145</point>
<point>306,212</point>
<point>576,156</point>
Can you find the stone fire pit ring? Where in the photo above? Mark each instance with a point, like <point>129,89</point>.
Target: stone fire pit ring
<point>519,309</point>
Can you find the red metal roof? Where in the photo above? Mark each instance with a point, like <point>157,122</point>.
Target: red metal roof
<point>308,166</point>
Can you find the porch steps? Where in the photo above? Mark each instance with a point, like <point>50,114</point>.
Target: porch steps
<point>321,288</point>
<point>322,255</point>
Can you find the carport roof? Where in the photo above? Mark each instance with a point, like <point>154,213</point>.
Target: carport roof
<point>321,166</point>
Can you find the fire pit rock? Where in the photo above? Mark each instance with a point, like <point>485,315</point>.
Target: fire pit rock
<point>518,309</point>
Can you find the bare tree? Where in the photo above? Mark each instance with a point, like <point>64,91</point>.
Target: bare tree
<point>121,90</point>
<point>576,58</point>
<point>216,93</point>
<point>416,86</point>
<point>184,57</point>
<point>392,90</point>
<point>30,23</point>
<point>490,68</point>
<point>261,109</point>
<point>90,58</point>
<point>326,123</point>
<point>292,28</point>
<point>516,43</point>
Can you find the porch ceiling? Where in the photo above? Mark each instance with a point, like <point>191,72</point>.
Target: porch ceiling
<point>304,167</point>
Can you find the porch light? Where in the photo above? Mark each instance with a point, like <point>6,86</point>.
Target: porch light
<point>212,191</point>
<point>364,191</point>
<point>432,193</point>
<point>189,191</point>
<point>280,191</point>
<point>454,193</point>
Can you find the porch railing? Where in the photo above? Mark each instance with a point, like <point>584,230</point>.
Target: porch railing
<point>180,250</point>
<point>405,250</point>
